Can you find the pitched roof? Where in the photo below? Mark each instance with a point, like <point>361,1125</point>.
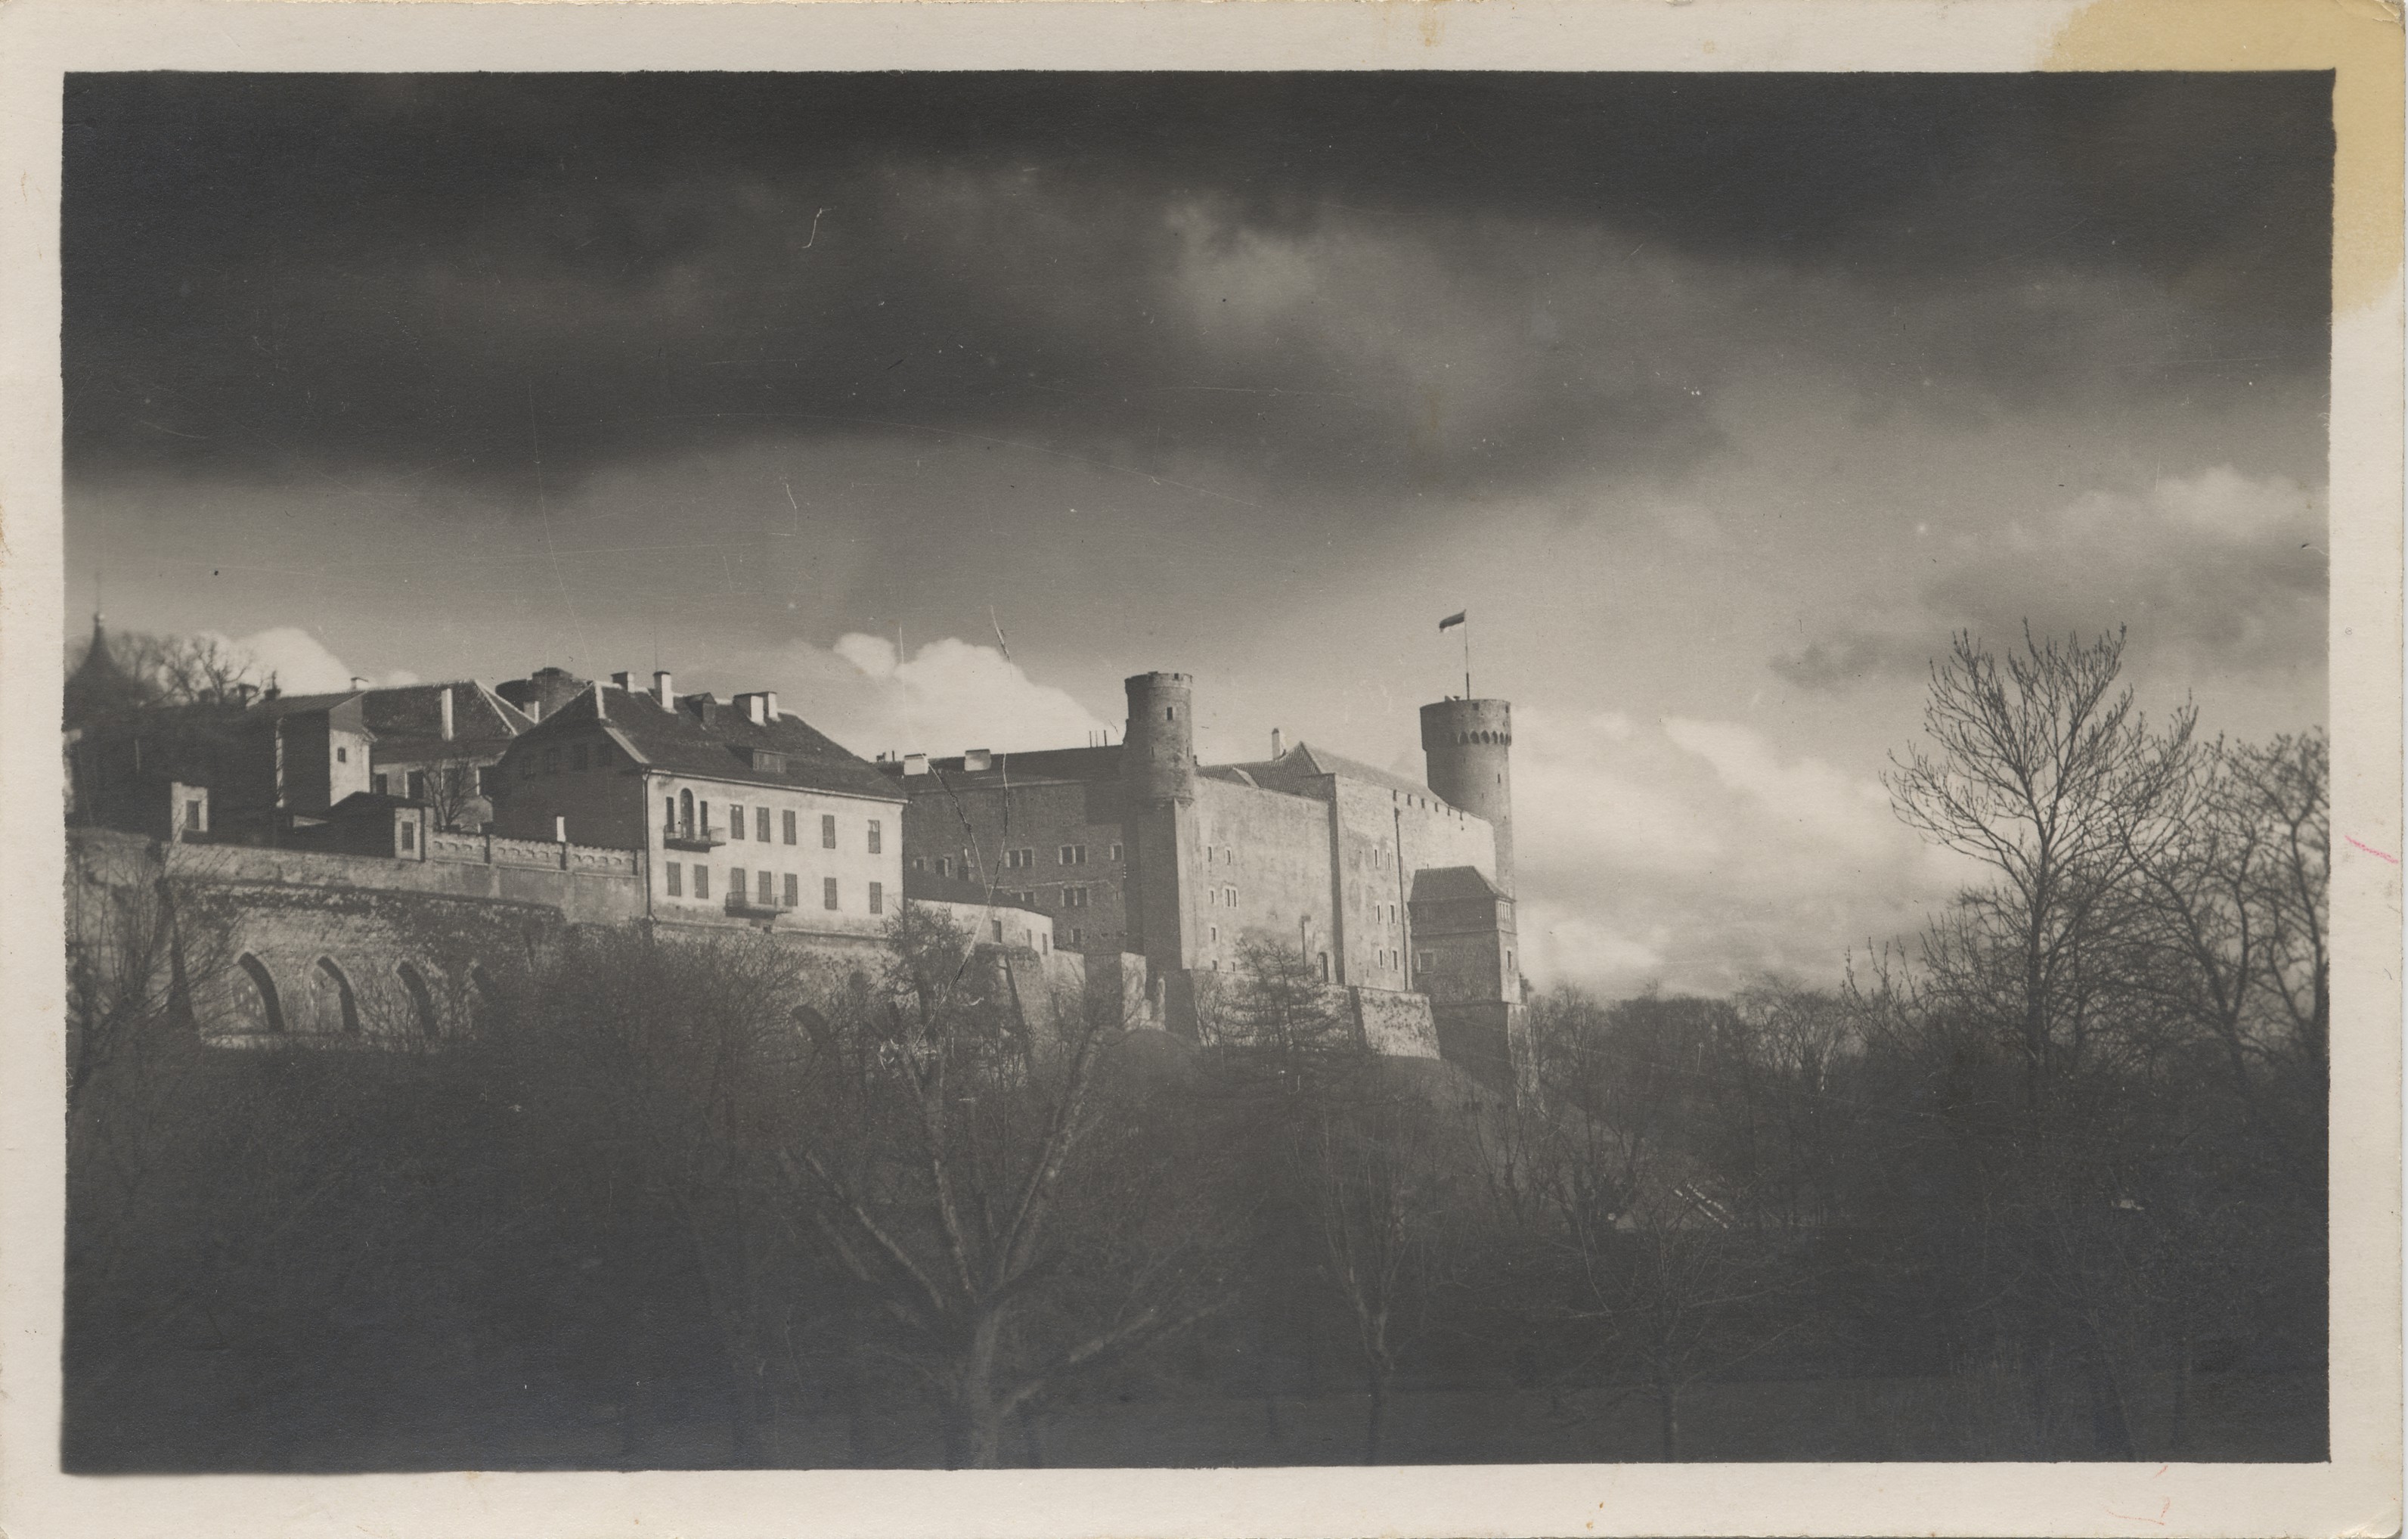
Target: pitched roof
<point>364,803</point>
<point>1304,762</point>
<point>302,705</point>
<point>1452,884</point>
<point>408,720</point>
<point>675,740</point>
<point>1043,764</point>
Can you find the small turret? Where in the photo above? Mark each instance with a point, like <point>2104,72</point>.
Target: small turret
<point>1158,761</point>
<point>1468,747</point>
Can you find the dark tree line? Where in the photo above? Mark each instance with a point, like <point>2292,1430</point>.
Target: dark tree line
<point>2049,1184</point>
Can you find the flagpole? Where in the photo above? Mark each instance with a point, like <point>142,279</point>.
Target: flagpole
<point>1466,656</point>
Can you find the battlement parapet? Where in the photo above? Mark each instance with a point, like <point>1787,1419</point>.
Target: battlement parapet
<point>529,853</point>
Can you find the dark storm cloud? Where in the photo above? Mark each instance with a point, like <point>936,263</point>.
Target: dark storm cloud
<point>2219,567</point>
<point>1384,281</point>
<point>1848,657</point>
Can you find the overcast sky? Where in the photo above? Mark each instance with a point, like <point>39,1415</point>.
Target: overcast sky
<point>1719,402</point>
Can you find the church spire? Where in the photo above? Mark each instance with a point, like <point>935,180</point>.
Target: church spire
<point>100,688</point>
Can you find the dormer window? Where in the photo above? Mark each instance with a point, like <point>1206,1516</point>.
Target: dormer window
<point>769,761</point>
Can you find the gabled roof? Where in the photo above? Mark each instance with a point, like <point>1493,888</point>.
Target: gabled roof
<point>1305,762</point>
<point>303,705</point>
<point>675,740</point>
<point>367,803</point>
<point>1452,883</point>
<point>408,721</point>
<point>1044,764</point>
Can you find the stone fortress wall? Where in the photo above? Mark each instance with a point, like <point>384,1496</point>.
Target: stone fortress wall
<point>334,947</point>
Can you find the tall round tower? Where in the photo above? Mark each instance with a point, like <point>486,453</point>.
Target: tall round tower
<point>1158,761</point>
<point>1468,746</point>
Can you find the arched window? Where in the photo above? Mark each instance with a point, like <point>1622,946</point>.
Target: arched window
<point>268,1014</point>
<point>334,995</point>
<point>421,1001</point>
<point>685,814</point>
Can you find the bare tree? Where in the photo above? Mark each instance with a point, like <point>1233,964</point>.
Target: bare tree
<point>186,1163</point>
<point>679,1063</point>
<point>2237,899</point>
<point>171,670</point>
<point>1274,1016</point>
<point>449,788</point>
<point>1017,1209</point>
<point>199,670</point>
<point>1657,1239</point>
<point>2043,771</point>
<point>1378,1179</point>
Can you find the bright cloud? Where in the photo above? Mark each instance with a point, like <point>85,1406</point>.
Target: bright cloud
<point>1689,853</point>
<point>941,698</point>
<point>302,664</point>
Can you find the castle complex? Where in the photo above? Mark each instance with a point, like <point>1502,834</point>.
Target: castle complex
<point>1131,868</point>
<point>1390,890</point>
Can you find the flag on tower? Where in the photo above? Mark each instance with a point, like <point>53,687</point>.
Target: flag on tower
<point>1455,618</point>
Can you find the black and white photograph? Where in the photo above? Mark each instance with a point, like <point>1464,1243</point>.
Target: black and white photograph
<point>1085,769</point>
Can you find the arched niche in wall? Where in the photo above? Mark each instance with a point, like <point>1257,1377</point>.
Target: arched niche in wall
<point>422,1000</point>
<point>263,1010</point>
<point>337,1006</point>
<point>483,996</point>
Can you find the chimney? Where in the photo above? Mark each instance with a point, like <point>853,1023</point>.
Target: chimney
<point>751,705</point>
<point>447,712</point>
<point>976,759</point>
<point>600,713</point>
<point>661,692</point>
<point>623,680</point>
<point>535,709</point>
<point>559,830</point>
<point>1279,743</point>
<point>358,683</point>
<point>770,698</point>
<point>915,764</point>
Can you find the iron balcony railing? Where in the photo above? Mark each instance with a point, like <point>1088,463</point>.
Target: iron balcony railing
<point>687,836</point>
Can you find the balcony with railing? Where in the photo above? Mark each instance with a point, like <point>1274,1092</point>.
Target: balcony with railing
<point>701,837</point>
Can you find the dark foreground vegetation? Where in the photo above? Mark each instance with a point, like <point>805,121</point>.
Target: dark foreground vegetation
<point>2051,1187</point>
